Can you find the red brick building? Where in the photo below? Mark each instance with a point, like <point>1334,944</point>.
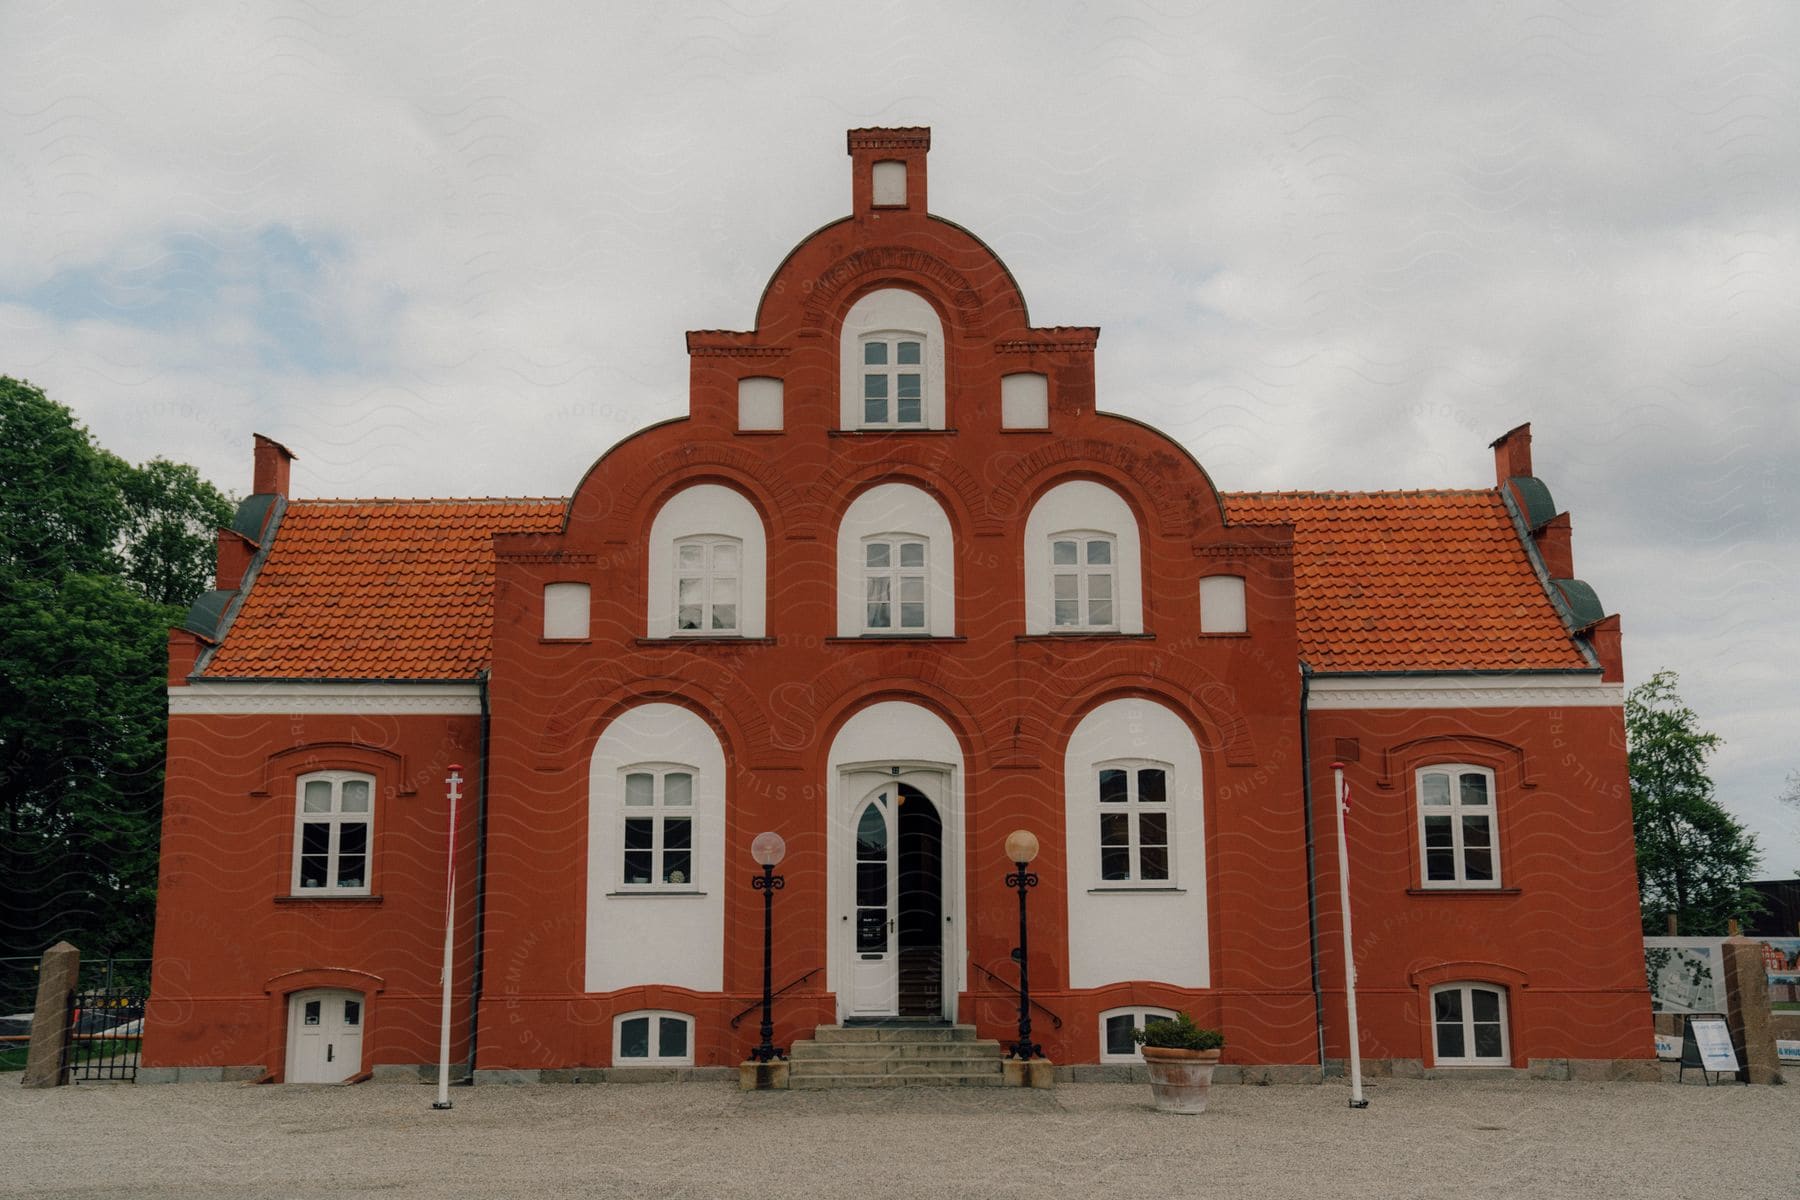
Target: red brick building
<point>894,588</point>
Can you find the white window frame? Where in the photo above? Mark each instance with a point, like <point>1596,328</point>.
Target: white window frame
<point>658,812</point>
<point>653,1059</point>
<point>1470,1059</point>
<point>891,372</point>
<point>335,820</point>
<point>1133,809</point>
<point>1084,573</point>
<point>707,577</point>
<point>1139,1014</point>
<point>1457,810</point>
<point>894,574</point>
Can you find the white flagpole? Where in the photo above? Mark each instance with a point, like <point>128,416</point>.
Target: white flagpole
<point>1337,794</point>
<point>443,1081</point>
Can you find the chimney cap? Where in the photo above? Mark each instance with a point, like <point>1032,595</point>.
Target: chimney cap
<point>911,137</point>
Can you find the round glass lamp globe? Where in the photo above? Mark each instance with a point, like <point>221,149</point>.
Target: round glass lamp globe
<point>768,849</point>
<point>1021,846</point>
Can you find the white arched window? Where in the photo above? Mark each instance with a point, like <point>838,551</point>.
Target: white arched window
<point>334,820</point>
<point>653,1038</point>
<point>896,565</point>
<point>708,566</point>
<point>1468,1025</point>
<point>1083,572</point>
<point>1136,847</point>
<point>891,363</point>
<point>655,904</point>
<point>1459,846</point>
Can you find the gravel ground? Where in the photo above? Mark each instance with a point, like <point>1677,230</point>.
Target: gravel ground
<point>1417,1139</point>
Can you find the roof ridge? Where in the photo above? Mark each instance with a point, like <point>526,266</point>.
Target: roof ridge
<point>346,501</point>
<point>1307,494</point>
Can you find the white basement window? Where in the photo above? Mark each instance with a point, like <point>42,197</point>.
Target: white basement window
<point>1468,1022</point>
<point>653,1039</point>
<point>1116,1026</point>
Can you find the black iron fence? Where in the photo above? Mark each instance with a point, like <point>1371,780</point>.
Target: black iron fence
<point>106,1028</point>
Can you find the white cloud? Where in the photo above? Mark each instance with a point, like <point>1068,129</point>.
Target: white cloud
<point>1335,249</point>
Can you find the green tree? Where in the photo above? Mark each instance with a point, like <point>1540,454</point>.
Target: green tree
<point>1693,858</point>
<point>171,519</point>
<point>97,560</point>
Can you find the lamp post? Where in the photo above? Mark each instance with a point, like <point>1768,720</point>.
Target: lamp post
<point>1021,848</point>
<point>768,849</point>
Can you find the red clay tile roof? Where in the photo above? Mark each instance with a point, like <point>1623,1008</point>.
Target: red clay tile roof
<point>1413,581</point>
<point>377,589</point>
<point>1385,581</point>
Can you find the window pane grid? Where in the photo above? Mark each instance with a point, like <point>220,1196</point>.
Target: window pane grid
<point>1457,836</point>
<point>1081,581</point>
<point>707,579</point>
<point>657,842</point>
<point>332,835</point>
<point>894,594</point>
<point>1469,1025</point>
<point>893,380</point>
<point>1134,824</point>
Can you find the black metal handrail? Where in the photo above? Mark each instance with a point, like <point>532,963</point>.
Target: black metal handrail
<point>757,1003</point>
<point>1055,1021</point>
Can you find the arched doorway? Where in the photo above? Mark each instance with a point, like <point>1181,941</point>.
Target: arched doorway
<point>898,900</point>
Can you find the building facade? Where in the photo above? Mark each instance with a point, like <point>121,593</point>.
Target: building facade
<point>894,588</point>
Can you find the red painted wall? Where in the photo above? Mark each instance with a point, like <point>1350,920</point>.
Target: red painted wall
<point>1562,933</point>
<point>228,945</point>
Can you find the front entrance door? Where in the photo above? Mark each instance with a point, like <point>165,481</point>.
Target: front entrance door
<point>324,1036</point>
<point>897,905</point>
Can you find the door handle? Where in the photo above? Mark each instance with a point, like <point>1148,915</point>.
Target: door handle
<point>328,1051</point>
<point>890,924</point>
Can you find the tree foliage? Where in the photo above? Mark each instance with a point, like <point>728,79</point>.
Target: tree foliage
<point>97,560</point>
<point>1694,859</point>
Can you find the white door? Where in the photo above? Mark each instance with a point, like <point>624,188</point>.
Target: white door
<point>875,958</point>
<point>324,1036</point>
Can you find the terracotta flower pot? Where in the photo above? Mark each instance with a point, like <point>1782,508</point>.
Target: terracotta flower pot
<point>1180,1079</point>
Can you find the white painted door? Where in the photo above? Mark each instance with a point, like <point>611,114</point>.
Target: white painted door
<point>324,1036</point>
<point>875,957</point>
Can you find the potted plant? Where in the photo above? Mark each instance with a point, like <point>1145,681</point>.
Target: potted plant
<point>1181,1057</point>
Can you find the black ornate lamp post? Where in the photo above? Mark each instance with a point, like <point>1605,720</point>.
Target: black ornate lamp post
<point>768,849</point>
<point>1021,848</point>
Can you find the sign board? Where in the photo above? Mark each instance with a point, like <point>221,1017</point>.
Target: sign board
<point>1707,1044</point>
<point>1787,1053</point>
<point>1668,1046</point>
<point>1685,974</point>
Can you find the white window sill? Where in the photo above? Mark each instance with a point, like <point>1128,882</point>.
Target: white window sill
<point>320,895</point>
<point>652,890</point>
<point>1152,889</point>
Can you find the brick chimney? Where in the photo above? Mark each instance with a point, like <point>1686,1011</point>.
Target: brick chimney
<point>1512,453</point>
<point>887,170</point>
<point>1553,542</point>
<point>272,462</point>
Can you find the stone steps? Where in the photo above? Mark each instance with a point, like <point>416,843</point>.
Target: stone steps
<point>895,1055</point>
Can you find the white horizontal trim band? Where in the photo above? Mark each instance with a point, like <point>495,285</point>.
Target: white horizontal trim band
<point>1463,691</point>
<point>385,699</point>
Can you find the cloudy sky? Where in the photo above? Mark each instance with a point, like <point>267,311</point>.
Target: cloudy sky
<point>451,249</point>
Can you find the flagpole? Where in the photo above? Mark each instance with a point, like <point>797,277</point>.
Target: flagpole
<point>1340,802</point>
<point>454,785</point>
